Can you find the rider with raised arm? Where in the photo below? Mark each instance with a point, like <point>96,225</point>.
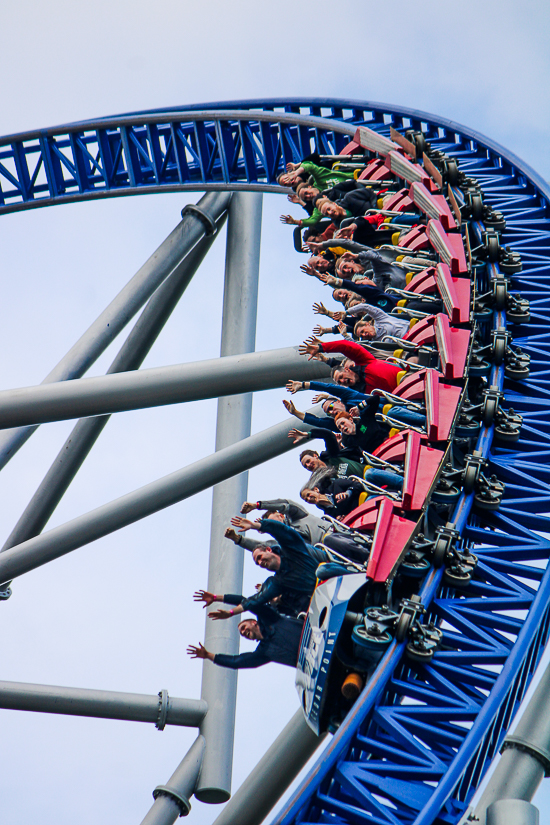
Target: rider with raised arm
<point>278,637</point>
<point>368,373</point>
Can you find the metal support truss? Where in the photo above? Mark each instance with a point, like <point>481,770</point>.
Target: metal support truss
<point>225,566</point>
<point>85,433</point>
<point>123,307</point>
<point>156,387</point>
<point>172,799</point>
<point>525,759</point>
<point>161,710</point>
<point>273,774</point>
<point>147,500</point>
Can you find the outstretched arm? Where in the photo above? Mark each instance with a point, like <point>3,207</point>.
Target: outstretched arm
<point>199,652</point>
<point>243,524</point>
<point>346,394</point>
<point>289,406</point>
<point>329,437</point>
<point>350,349</point>
<point>243,660</point>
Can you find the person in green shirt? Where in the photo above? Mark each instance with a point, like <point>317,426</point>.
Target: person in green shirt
<point>322,178</point>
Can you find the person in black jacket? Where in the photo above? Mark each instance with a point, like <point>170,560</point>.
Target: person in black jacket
<point>278,637</point>
<point>363,434</point>
<point>336,497</point>
<point>293,563</point>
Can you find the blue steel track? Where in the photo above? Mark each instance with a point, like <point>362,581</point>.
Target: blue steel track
<point>419,740</point>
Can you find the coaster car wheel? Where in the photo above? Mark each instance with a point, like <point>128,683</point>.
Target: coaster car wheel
<point>483,313</point>
<point>480,368</point>
<point>406,620</point>
<point>369,640</point>
<point>415,567</point>
<point>458,575</point>
<point>517,371</point>
<point>492,248</point>
<point>499,349</point>
<point>470,478</point>
<point>448,496</point>
<point>418,655</point>
<point>500,292</point>
<point>489,411</point>
<point>467,429</point>
<point>403,627</point>
<point>476,206</point>
<point>451,172</point>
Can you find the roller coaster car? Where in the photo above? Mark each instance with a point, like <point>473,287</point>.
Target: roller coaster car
<point>452,343</point>
<point>441,400</point>
<point>350,623</point>
<point>455,292</point>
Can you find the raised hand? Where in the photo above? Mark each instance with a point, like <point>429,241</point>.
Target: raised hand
<point>220,614</point>
<point>310,270</point>
<point>244,524</point>
<point>289,220</point>
<point>346,232</point>
<point>311,348</point>
<point>342,328</point>
<point>247,507</point>
<point>321,396</point>
<point>313,247</point>
<point>297,435</point>
<point>231,534</point>
<point>205,596</point>
<point>294,386</point>
<point>199,652</point>
<point>319,308</point>
<point>289,406</point>
<point>319,330</point>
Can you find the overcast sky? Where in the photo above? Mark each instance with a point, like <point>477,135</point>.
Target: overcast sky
<point>118,614</point>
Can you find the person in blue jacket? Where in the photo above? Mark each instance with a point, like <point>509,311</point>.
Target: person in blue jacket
<point>278,638</point>
<point>292,561</point>
<point>348,398</point>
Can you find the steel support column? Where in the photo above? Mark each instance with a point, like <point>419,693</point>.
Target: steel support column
<point>512,812</point>
<point>273,774</point>
<point>157,386</point>
<point>149,499</point>
<point>526,757</point>
<point>124,306</point>
<point>103,704</point>
<point>85,433</point>
<point>225,572</point>
<point>172,799</point>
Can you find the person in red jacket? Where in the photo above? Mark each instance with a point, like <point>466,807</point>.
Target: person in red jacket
<point>369,373</point>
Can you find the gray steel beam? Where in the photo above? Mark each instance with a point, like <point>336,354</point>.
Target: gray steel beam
<point>526,755</point>
<point>225,568</point>
<point>149,499</point>
<point>103,704</point>
<point>512,812</point>
<point>85,433</point>
<point>172,799</point>
<point>157,386</point>
<point>273,774</point>
<point>124,306</point>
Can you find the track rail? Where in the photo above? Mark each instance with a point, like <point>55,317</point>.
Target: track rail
<point>240,145</point>
<point>419,740</point>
